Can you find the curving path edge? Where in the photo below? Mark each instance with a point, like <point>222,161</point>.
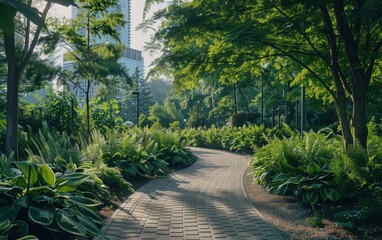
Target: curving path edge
<point>203,201</point>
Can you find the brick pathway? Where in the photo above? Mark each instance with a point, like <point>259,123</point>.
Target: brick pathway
<point>204,201</point>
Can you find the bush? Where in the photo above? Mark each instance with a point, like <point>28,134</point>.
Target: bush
<point>113,178</point>
<point>242,119</point>
<point>38,202</point>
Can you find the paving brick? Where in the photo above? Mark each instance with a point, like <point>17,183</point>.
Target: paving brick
<point>203,201</point>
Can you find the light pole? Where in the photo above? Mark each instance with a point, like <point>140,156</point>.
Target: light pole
<point>137,93</point>
<point>197,113</point>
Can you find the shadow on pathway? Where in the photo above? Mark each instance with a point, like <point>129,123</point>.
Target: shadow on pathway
<point>203,201</point>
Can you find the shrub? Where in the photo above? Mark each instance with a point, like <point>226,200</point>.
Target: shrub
<point>47,205</point>
<point>113,178</point>
<point>52,147</point>
<point>298,166</point>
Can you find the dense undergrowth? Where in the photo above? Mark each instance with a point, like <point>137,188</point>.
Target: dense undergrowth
<point>63,181</point>
<point>342,185</point>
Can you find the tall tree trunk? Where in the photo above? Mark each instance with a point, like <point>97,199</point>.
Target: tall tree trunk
<point>359,80</point>
<point>341,106</point>
<point>13,79</point>
<point>359,115</point>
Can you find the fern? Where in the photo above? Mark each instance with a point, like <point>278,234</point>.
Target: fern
<point>54,148</point>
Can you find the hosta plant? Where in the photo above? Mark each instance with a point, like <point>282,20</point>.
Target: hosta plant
<point>47,205</point>
<point>300,167</point>
<point>172,148</point>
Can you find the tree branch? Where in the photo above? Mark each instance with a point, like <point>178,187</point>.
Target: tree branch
<point>36,36</point>
<point>339,82</point>
<point>302,64</point>
<point>373,57</point>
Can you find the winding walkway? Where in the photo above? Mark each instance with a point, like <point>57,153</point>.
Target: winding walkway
<point>203,201</point>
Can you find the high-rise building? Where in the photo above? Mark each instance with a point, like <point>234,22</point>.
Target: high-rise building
<point>132,58</point>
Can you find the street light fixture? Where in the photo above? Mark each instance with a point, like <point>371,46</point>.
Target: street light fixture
<point>137,93</point>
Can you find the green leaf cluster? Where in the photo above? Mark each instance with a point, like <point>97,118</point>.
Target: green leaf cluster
<point>36,196</point>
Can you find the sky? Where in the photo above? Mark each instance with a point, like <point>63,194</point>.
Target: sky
<point>138,38</point>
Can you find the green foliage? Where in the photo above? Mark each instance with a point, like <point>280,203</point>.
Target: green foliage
<point>137,152</point>
<point>244,118</point>
<point>159,114</point>
<point>318,171</point>
<point>300,167</point>
<point>246,139</point>
<point>53,147</point>
<point>105,114</point>
<point>137,155</point>
<point>172,148</point>
<point>113,178</point>
<point>5,168</point>
<point>57,109</point>
<point>47,205</point>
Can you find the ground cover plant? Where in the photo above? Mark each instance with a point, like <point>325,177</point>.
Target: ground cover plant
<point>246,139</point>
<point>65,181</point>
<point>344,188</point>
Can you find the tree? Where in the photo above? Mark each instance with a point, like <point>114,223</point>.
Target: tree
<point>159,89</point>
<point>144,89</point>
<point>333,47</point>
<point>27,37</point>
<point>159,114</point>
<point>95,60</point>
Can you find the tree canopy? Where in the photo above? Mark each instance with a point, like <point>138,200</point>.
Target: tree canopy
<point>332,47</point>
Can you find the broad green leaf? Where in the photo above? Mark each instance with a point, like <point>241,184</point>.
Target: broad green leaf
<point>282,189</point>
<point>20,181</point>
<point>24,168</point>
<point>21,202</point>
<point>8,213</point>
<point>280,177</point>
<point>313,168</point>
<point>334,195</point>
<point>5,189</point>
<point>68,224</point>
<point>4,225</point>
<point>47,174</point>
<point>83,201</point>
<point>69,182</point>
<point>42,198</point>
<point>19,229</point>
<point>312,187</point>
<point>90,226</point>
<point>39,190</point>
<point>323,194</point>
<point>40,216</point>
<point>307,196</point>
<point>313,199</point>
<point>28,237</point>
<point>91,214</point>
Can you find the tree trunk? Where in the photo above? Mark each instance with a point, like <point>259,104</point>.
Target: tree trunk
<point>343,117</point>
<point>13,79</point>
<point>359,115</point>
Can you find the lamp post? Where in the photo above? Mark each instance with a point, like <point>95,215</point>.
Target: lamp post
<point>137,93</point>
<point>197,113</point>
